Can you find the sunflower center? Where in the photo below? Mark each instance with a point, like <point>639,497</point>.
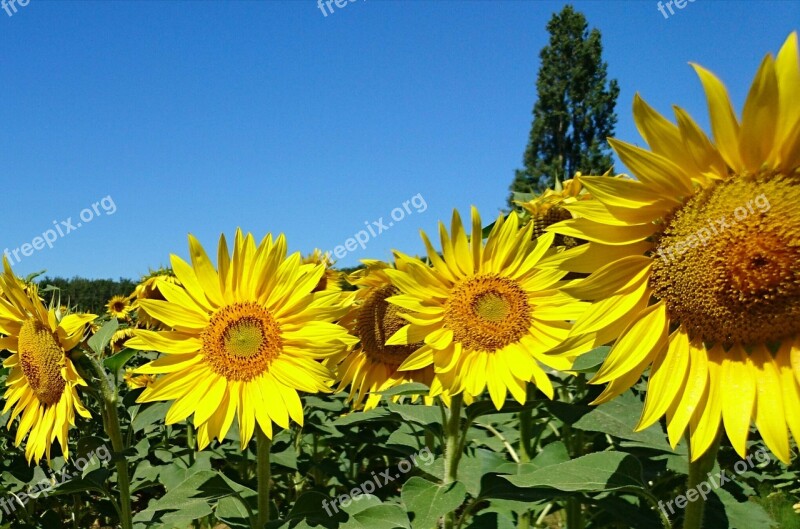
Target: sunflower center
<point>377,321</point>
<point>241,340</point>
<point>487,312</point>
<point>728,263</point>
<point>552,215</point>
<point>41,358</point>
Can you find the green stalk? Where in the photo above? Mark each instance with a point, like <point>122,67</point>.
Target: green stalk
<point>526,448</point>
<point>114,431</point>
<point>452,450</point>
<point>573,439</point>
<point>264,444</point>
<point>698,472</point>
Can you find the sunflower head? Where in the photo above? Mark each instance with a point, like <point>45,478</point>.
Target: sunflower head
<point>548,208</point>
<point>246,335</point>
<point>372,366</point>
<point>332,279</point>
<point>119,307</point>
<point>134,381</point>
<point>696,264</point>
<point>485,314</point>
<point>41,387</point>
<point>148,289</point>
<point>120,337</point>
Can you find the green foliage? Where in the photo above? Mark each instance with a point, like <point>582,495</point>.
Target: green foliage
<point>92,295</point>
<point>574,111</point>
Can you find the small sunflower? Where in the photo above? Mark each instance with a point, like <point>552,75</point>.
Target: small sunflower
<point>119,307</point>
<point>120,337</point>
<point>486,315</point>
<point>148,289</point>
<point>696,264</point>
<point>548,208</point>
<point>372,366</point>
<point>246,337</point>
<point>42,382</point>
<point>134,381</point>
<point>332,279</point>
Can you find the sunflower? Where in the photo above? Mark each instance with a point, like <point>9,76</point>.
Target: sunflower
<point>245,338</point>
<point>42,382</point>
<point>332,279</point>
<point>120,338</point>
<point>119,307</point>
<point>548,208</point>
<point>696,264</point>
<point>148,289</point>
<point>486,315</point>
<point>371,367</point>
<point>134,381</point>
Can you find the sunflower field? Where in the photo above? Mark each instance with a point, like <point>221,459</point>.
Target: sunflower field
<point>622,353</point>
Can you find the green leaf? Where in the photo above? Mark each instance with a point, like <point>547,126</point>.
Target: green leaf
<point>738,515</point>
<point>101,338</point>
<point>424,415</point>
<point>156,412</point>
<point>231,511</point>
<point>589,362</point>
<point>600,471</point>
<point>618,418</point>
<point>428,502</point>
<point>411,388</point>
<point>118,361</point>
<point>384,516</point>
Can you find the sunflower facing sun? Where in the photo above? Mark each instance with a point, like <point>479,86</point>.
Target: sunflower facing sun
<point>486,315</point>
<point>119,307</point>
<point>696,264</point>
<point>42,382</point>
<point>372,366</point>
<point>245,338</point>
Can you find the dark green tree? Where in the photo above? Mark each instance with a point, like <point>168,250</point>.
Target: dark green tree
<point>574,110</point>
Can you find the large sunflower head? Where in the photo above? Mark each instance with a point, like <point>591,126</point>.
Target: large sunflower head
<point>486,315</point>
<point>245,337</point>
<point>696,264</point>
<point>372,366</point>
<point>119,307</point>
<point>42,383</point>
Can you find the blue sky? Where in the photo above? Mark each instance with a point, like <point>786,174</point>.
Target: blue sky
<point>203,116</point>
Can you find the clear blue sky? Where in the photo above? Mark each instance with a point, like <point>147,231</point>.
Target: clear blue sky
<point>204,116</point>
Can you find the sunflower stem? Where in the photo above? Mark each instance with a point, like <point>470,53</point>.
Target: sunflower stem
<point>526,449</point>
<point>264,444</point>
<point>698,472</point>
<point>452,450</point>
<point>114,431</point>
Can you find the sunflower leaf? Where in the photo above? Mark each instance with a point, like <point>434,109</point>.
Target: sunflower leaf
<point>118,361</point>
<point>428,501</point>
<point>600,471</point>
<point>101,338</point>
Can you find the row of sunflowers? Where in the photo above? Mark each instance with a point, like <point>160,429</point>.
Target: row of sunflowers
<point>709,309</point>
